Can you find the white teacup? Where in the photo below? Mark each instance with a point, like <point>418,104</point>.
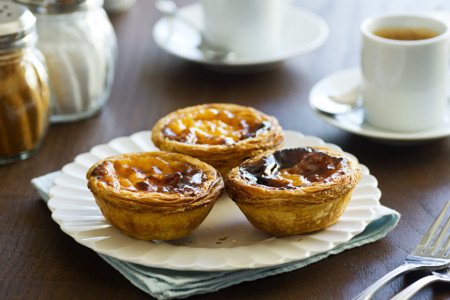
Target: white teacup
<point>247,27</point>
<point>404,79</point>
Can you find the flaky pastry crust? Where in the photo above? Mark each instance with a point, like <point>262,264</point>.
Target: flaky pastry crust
<point>226,155</point>
<point>166,211</point>
<point>295,210</point>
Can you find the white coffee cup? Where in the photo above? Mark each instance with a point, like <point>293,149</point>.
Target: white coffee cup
<point>250,28</point>
<point>404,81</point>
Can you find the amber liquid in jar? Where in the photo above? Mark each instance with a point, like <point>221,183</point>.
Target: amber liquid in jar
<point>24,103</point>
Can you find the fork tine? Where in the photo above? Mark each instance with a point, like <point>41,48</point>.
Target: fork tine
<point>423,244</point>
<point>443,252</point>
<point>443,234</point>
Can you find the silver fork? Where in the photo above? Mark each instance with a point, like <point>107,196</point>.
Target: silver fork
<point>431,254</point>
<point>419,284</point>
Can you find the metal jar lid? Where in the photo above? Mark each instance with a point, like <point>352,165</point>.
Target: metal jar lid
<point>17,26</point>
<point>57,6</point>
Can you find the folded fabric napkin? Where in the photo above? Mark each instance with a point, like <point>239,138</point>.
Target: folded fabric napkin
<point>168,284</point>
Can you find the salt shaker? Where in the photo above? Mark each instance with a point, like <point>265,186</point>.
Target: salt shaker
<point>80,47</point>
<point>24,89</point>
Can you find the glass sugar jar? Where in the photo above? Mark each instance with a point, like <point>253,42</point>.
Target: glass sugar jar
<point>24,89</point>
<point>80,47</point>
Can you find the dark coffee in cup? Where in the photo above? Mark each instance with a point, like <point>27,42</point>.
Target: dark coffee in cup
<point>404,72</point>
<point>406,33</point>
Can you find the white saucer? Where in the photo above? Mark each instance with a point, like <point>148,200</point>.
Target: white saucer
<point>341,82</point>
<point>303,32</point>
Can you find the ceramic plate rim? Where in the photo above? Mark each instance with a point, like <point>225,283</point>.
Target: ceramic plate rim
<point>232,262</point>
<point>321,24</point>
<point>368,131</point>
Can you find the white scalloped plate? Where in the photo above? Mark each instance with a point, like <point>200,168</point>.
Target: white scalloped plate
<point>224,241</point>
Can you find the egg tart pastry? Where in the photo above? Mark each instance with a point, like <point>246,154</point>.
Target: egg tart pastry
<point>223,135</point>
<point>154,195</point>
<point>294,191</point>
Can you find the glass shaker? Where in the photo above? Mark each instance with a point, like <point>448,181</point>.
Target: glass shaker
<point>24,90</point>
<point>80,47</point>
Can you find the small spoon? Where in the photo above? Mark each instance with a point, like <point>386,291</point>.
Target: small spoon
<point>338,104</point>
<point>170,9</point>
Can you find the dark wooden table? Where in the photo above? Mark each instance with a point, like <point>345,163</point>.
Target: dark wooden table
<point>37,260</point>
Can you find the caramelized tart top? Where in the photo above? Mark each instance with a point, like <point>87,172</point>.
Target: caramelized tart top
<point>293,168</point>
<point>150,173</point>
<point>215,125</point>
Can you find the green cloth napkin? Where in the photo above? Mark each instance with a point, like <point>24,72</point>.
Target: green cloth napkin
<point>168,284</point>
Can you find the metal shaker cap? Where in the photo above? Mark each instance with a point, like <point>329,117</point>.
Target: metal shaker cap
<point>17,26</point>
<point>56,6</point>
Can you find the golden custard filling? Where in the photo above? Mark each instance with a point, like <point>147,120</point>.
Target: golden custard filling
<point>150,174</point>
<point>294,168</point>
<point>214,126</point>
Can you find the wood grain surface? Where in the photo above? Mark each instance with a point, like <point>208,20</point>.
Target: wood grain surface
<point>39,261</point>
